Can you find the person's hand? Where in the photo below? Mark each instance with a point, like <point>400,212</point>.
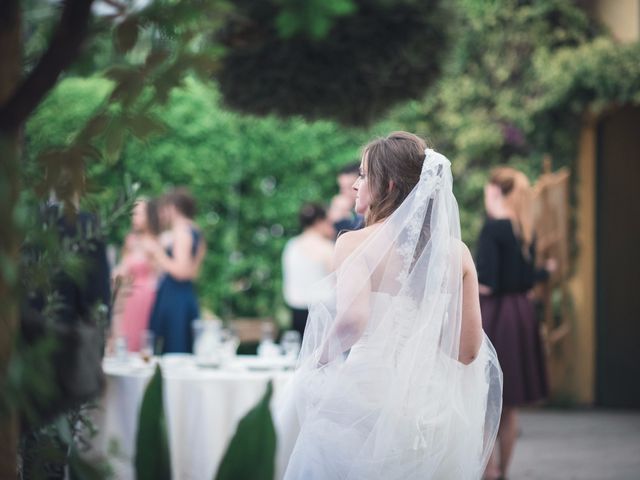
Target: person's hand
<point>551,265</point>
<point>117,273</point>
<point>151,246</point>
<point>484,290</point>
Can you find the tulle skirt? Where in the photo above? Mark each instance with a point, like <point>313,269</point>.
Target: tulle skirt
<point>365,418</point>
<point>510,323</point>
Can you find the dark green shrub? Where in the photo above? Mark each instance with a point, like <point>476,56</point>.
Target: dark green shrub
<point>384,53</point>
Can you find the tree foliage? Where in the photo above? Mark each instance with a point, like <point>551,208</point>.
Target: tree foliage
<point>251,175</point>
<point>165,35</point>
<point>514,88</point>
<point>384,53</point>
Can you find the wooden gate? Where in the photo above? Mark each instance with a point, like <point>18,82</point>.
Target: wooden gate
<point>551,218</point>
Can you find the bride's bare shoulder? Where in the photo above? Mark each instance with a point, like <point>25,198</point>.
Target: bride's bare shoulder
<point>468,265</point>
<point>349,241</point>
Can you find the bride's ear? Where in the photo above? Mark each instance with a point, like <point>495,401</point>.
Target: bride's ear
<point>391,185</point>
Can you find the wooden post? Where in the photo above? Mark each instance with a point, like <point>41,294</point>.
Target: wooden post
<point>582,283</point>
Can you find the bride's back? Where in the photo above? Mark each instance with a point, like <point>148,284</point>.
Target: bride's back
<point>379,388</point>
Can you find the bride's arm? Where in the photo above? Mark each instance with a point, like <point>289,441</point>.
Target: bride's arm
<point>353,288</point>
<point>471,329</point>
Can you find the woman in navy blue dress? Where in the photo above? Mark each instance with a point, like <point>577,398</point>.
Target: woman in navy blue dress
<point>176,305</point>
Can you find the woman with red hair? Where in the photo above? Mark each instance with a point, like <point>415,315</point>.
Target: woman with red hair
<point>506,274</point>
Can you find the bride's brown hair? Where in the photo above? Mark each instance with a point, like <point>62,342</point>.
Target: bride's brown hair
<point>393,164</point>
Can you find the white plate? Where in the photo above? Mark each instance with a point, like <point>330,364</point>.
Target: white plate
<point>177,360</point>
<point>263,364</point>
<point>208,362</point>
<point>133,364</point>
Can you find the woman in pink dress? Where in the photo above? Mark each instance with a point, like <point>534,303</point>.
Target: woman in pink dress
<point>136,277</point>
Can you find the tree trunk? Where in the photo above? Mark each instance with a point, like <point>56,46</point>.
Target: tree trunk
<point>10,71</point>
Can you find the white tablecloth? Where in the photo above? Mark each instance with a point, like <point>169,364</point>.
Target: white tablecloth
<point>202,406</point>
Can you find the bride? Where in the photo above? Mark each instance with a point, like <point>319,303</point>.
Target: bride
<point>396,379</point>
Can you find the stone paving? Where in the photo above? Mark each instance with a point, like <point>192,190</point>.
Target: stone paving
<point>578,445</point>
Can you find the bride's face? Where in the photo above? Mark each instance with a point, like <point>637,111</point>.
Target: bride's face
<point>361,186</point>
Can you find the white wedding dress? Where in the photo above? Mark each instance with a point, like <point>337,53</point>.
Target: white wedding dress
<point>379,392</point>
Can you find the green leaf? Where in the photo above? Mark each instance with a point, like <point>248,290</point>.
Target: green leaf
<point>251,452</point>
<point>313,17</point>
<point>64,430</point>
<point>95,126</point>
<point>114,139</point>
<point>119,73</point>
<point>126,35</point>
<point>89,151</point>
<point>8,270</point>
<point>143,126</point>
<point>203,65</point>
<point>128,90</point>
<point>86,469</point>
<point>155,58</point>
<point>152,460</point>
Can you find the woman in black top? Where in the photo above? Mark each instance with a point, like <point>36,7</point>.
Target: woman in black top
<point>506,273</point>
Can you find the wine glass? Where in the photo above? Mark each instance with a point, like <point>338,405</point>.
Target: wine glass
<point>230,343</point>
<point>267,347</point>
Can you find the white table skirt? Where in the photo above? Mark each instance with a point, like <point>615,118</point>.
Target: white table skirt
<point>202,406</point>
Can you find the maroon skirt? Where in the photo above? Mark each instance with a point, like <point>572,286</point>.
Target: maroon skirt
<point>510,322</point>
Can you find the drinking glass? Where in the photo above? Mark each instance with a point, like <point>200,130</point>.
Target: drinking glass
<point>290,343</point>
<point>267,347</point>
<point>147,345</point>
<point>207,342</point>
<point>120,349</point>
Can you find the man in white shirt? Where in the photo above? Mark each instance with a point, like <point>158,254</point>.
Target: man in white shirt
<point>306,260</point>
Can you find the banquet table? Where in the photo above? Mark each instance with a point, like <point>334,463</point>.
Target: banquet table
<point>202,405</point>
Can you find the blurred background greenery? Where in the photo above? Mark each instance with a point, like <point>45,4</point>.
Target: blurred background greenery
<point>146,104</point>
<point>513,85</point>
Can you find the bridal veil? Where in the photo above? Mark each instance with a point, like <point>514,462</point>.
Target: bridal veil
<point>379,392</point>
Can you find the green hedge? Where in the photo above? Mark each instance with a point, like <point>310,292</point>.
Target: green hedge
<point>514,87</point>
<point>249,176</point>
